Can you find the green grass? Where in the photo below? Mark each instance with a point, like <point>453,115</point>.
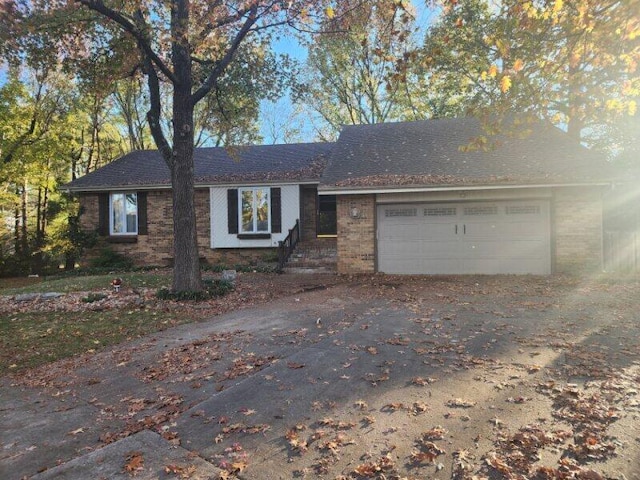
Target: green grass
<point>66,284</point>
<point>33,339</point>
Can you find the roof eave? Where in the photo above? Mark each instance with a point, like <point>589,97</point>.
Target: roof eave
<point>119,188</point>
<point>333,190</point>
<point>164,186</point>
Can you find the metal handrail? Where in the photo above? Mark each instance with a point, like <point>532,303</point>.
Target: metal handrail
<point>288,245</point>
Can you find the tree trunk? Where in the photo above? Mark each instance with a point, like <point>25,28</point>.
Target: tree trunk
<point>38,260</point>
<point>16,229</point>
<point>24,236</point>
<point>574,128</point>
<point>186,270</point>
<point>575,104</point>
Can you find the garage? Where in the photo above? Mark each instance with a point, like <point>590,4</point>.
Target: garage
<point>501,237</point>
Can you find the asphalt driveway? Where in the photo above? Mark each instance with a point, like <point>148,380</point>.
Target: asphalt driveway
<point>381,377</point>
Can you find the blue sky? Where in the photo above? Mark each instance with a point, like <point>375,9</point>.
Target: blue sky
<point>424,17</point>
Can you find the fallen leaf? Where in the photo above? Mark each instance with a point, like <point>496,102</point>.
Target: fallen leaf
<point>134,462</point>
<point>460,403</point>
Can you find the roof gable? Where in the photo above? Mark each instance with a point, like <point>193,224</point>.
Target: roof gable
<point>431,152</point>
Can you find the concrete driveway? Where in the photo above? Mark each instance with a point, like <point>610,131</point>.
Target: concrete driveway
<point>385,377</point>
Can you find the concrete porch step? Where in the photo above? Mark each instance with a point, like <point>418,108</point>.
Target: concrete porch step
<point>314,256</point>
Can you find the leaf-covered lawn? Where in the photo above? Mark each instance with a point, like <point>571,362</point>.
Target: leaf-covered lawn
<point>30,339</point>
<point>34,333</point>
<point>74,283</point>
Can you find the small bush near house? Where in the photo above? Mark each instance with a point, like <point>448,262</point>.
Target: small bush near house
<point>212,289</point>
<point>108,258</point>
<point>270,256</point>
<point>243,268</point>
<point>94,297</point>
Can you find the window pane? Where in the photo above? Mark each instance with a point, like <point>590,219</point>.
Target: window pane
<point>262,210</point>
<point>132,213</point>
<point>117,208</point>
<point>124,213</point>
<point>132,223</point>
<point>246,210</point>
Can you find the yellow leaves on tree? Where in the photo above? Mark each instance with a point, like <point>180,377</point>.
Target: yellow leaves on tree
<point>621,106</point>
<point>505,84</point>
<point>329,12</point>
<point>557,6</point>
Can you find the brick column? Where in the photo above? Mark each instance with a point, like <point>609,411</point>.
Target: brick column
<point>356,233</point>
<point>578,230</point>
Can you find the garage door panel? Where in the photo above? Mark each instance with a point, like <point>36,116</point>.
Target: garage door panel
<point>402,232</point>
<point>399,249</point>
<point>497,230</point>
<point>504,249</point>
<point>437,250</point>
<point>475,237</point>
<point>437,231</point>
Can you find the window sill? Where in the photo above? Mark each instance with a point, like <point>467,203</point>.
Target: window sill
<point>254,236</point>
<point>122,239</point>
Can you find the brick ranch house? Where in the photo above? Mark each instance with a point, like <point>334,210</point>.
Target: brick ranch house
<point>403,198</point>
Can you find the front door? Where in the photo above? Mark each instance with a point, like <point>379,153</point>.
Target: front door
<point>327,225</point>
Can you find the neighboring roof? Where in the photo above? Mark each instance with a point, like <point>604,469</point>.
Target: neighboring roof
<point>217,165</point>
<point>432,153</point>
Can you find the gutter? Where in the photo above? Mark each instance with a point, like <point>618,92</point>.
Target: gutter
<point>165,186</point>
<point>374,190</point>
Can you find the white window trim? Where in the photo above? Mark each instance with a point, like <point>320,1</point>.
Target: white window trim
<point>253,190</point>
<point>124,220</point>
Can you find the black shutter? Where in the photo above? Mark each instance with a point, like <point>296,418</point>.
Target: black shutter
<point>142,213</point>
<point>232,210</point>
<point>276,210</point>
<point>103,214</point>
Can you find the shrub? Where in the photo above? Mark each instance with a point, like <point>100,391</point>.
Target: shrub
<point>108,258</point>
<point>243,268</point>
<point>94,297</point>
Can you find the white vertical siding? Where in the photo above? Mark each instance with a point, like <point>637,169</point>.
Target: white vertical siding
<point>220,236</point>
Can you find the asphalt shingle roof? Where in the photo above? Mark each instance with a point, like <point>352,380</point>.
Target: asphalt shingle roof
<point>431,152</point>
<point>422,153</point>
<point>261,163</point>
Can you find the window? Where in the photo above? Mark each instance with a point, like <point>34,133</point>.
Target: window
<point>440,211</point>
<point>523,210</point>
<point>254,210</point>
<point>400,212</point>
<point>481,210</point>
<point>123,214</point>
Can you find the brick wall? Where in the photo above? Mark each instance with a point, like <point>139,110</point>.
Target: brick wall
<point>156,248</point>
<point>577,230</point>
<point>356,234</point>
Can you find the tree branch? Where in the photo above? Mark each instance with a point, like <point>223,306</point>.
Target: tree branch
<point>228,57</point>
<point>133,29</point>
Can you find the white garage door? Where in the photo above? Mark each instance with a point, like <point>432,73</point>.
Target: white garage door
<point>465,238</point>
